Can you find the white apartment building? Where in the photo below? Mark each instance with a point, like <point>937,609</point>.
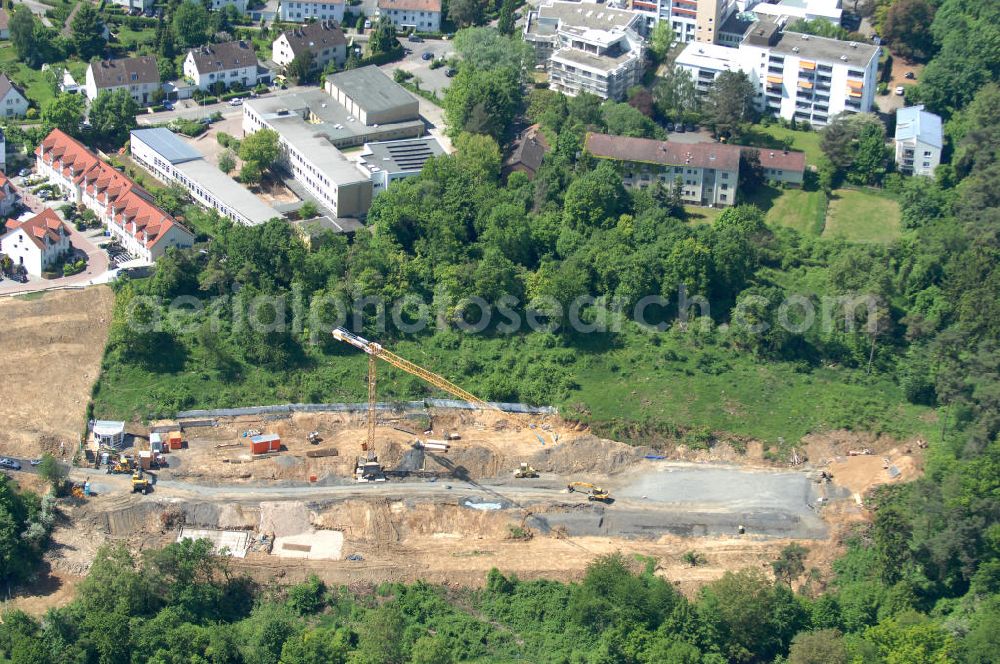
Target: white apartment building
<point>240,5</point>
<point>588,47</point>
<point>918,141</point>
<point>300,11</point>
<point>418,15</point>
<point>9,198</point>
<point>690,20</point>
<point>170,159</point>
<point>13,103</point>
<point>798,76</point>
<point>709,172</point>
<point>228,63</point>
<point>139,75</point>
<point>133,4</point>
<point>324,39</point>
<point>809,10</point>
<point>37,243</point>
<point>127,210</point>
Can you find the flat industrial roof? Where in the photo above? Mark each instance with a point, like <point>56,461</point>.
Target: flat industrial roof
<point>371,89</point>
<point>167,144</point>
<point>831,51</point>
<point>399,156</point>
<point>330,118</point>
<point>228,190</point>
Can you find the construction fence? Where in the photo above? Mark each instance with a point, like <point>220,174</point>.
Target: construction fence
<point>387,406</point>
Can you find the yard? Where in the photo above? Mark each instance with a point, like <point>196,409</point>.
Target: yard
<point>801,209</point>
<point>862,215</point>
<point>776,136</point>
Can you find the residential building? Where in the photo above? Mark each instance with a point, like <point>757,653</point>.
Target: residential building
<point>170,159</point>
<point>587,47</point>
<point>9,198</point>
<point>13,102</point>
<point>417,15</point>
<point>529,150</point>
<point>38,243</point>
<point>139,75</point>
<point>784,166</point>
<point>314,127</point>
<point>4,24</point>
<point>210,65</point>
<point>300,11</point>
<point>797,76</point>
<point>133,4</point>
<point>709,172</point>
<point>690,20</point>
<point>239,5</point>
<point>809,10</point>
<point>392,161</point>
<point>371,96</point>
<point>324,39</point>
<point>126,209</point>
<point>918,141</point>
<point>3,152</point>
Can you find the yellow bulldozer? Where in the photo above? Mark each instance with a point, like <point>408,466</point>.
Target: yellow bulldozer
<point>593,492</point>
<point>140,483</point>
<point>525,472</point>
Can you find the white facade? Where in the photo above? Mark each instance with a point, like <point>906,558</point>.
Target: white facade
<point>13,104</point>
<point>800,77</point>
<point>141,85</point>
<point>690,20</point>
<point>240,5</point>
<point>588,48</point>
<point>9,197</point>
<point>133,4</point>
<point>810,10</point>
<point>36,251</point>
<point>205,70</point>
<point>419,15</point>
<point>300,11</point>
<point>918,141</point>
<point>325,41</point>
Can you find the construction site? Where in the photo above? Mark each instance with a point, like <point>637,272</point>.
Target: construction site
<point>445,490</point>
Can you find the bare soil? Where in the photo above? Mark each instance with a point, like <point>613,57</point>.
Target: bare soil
<point>52,349</point>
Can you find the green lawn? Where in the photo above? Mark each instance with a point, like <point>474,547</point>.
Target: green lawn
<point>863,215</point>
<point>779,137</point>
<point>803,210</point>
<point>702,215</point>
<point>35,83</point>
<point>131,39</point>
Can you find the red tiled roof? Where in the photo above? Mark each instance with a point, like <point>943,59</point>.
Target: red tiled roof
<point>45,226</point>
<point>647,150</point>
<point>131,205</point>
<point>786,160</point>
<point>411,5</point>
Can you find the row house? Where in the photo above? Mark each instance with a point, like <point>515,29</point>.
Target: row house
<point>127,210</point>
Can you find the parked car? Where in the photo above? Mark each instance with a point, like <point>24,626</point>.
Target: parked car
<point>35,462</point>
<point>427,56</point>
<point>167,106</point>
<point>24,172</point>
<point>690,127</point>
<point>909,76</point>
<point>679,128</point>
<point>450,71</point>
<point>900,91</point>
<point>416,39</point>
<point>670,126</point>
<point>236,102</point>
<point>9,463</point>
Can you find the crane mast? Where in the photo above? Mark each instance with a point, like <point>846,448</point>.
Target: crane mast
<point>376,351</point>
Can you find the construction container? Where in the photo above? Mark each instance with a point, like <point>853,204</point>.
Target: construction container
<point>145,460</point>
<point>156,442</point>
<point>175,439</point>
<point>264,443</point>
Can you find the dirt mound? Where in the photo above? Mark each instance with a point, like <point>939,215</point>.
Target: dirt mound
<point>281,519</point>
<point>585,454</point>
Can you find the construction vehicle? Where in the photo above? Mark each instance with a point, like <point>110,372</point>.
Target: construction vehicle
<point>140,483</point>
<point>120,466</point>
<point>314,438</point>
<point>593,492</point>
<point>369,462</point>
<point>525,472</point>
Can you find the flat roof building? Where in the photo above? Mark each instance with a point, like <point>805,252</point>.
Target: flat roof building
<point>371,96</point>
<point>171,159</point>
<point>918,141</point>
<point>390,161</point>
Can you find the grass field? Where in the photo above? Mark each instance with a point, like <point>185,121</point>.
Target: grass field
<point>805,211</point>
<point>35,83</point>
<point>702,215</point>
<point>776,136</point>
<point>863,216</point>
<point>631,386</point>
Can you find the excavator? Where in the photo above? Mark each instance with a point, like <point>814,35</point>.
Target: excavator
<point>593,491</point>
<point>368,469</point>
<point>140,483</point>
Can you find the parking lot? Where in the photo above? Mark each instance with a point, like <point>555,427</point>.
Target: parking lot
<point>435,80</point>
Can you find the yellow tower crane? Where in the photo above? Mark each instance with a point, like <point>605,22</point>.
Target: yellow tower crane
<point>375,350</point>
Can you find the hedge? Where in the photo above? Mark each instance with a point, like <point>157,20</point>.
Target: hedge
<point>382,58</point>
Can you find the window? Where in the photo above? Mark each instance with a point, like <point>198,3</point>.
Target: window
<point>927,153</point>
